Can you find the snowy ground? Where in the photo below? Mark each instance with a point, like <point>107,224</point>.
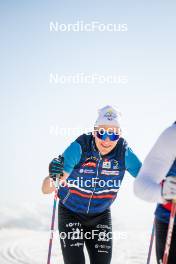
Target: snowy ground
<point>30,247</point>
<point>24,236</point>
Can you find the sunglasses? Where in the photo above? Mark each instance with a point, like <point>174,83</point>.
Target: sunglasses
<point>102,134</point>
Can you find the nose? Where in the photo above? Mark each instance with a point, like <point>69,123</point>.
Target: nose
<point>107,139</point>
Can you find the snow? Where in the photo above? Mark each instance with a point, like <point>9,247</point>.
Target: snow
<point>24,237</point>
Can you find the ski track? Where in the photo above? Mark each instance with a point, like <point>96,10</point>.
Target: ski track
<point>19,246</point>
<point>26,247</point>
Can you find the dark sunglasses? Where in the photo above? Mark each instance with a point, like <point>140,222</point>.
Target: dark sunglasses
<point>102,134</point>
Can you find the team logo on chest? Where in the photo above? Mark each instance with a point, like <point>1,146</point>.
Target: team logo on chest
<point>106,165</point>
<point>116,165</point>
<point>89,164</point>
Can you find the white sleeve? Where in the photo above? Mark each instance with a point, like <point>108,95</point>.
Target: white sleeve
<point>156,166</point>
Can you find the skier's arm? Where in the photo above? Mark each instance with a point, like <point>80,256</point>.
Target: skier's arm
<point>72,157</point>
<point>132,163</point>
<point>147,186</point>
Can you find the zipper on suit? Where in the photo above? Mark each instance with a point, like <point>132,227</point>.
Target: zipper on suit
<point>100,158</point>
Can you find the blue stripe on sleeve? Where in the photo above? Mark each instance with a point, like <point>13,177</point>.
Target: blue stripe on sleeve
<point>72,156</point>
<point>132,163</point>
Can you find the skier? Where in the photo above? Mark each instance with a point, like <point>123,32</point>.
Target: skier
<point>94,167</point>
<point>156,182</point>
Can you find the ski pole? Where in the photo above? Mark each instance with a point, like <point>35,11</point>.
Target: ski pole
<point>151,243</point>
<point>53,219</point>
<point>169,232</point>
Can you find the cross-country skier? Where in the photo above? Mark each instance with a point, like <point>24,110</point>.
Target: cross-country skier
<point>94,167</point>
<point>156,182</point>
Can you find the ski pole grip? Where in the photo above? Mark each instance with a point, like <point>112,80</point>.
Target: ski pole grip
<point>58,177</point>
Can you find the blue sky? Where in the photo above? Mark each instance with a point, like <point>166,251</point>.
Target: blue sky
<point>30,105</point>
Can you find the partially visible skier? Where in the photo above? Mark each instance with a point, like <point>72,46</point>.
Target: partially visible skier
<point>95,165</point>
<point>156,182</point>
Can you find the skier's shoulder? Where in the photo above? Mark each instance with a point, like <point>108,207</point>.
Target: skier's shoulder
<point>122,145</point>
<point>84,138</point>
<point>169,134</point>
<point>165,146</point>
<point>124,142</point>
<point>121,148</point>
<point>85,141</point>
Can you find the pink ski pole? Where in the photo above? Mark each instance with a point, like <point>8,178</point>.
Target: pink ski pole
<point>169,232</point>
<point>53,220</point>
<point>151,243</point>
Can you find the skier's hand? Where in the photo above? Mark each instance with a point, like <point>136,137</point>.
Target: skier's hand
<point>169,188</point>
<point>56,167</point>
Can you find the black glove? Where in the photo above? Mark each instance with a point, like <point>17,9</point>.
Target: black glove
<point>56,167</point>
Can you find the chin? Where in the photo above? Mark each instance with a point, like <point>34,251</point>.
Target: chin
<point>105,150</point>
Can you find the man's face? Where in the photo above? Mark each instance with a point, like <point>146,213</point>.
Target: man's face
<point>105,146</point>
